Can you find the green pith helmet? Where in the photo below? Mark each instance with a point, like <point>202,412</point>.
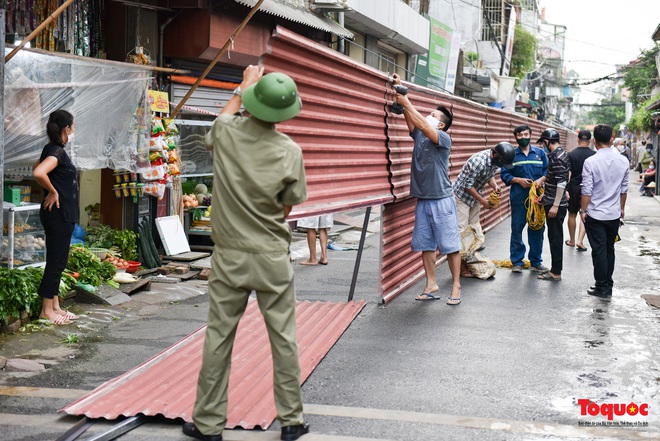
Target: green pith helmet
<point>273,99</point>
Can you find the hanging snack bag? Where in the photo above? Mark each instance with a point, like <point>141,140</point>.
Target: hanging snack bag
<point>172,156</point>
<point>174,168</point>
<point>154,156</point>
<point>170,127</point>
<point>171,142</point>
<point>152,173</point>
<point>155,189</point>
<point>156,144</point>
<point>157,127</point>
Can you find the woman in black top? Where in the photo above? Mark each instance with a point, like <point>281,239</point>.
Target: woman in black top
<point>59,211</point>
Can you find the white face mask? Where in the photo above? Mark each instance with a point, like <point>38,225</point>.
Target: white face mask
<point>433,121</point>
<point>70,138</point>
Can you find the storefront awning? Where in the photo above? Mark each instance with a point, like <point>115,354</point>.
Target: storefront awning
<point>296,11</point>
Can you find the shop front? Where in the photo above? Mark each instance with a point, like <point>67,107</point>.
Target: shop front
<point>110,105</point>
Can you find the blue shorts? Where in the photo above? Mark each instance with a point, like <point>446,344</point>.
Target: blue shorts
<point>436,226</point>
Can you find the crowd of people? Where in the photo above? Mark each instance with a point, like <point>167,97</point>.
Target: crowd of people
<point>547,184</point>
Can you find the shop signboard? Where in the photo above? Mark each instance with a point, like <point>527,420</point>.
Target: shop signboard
<point>159,101</point>
<point>437,68</point>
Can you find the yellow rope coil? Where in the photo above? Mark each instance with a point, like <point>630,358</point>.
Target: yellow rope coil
<point>535,211</point>
<point>507,263</point>
<point>494,199</point>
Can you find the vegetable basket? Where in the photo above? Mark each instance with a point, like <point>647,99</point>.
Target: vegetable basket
<point>101,253</point>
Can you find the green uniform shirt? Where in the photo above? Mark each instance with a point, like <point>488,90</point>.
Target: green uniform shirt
<point>256,171</point>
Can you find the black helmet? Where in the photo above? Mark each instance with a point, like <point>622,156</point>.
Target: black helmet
<point>504,155</point>
<point>550,135</point>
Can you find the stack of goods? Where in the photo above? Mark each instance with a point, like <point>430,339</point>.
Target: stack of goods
<point>164,159</point>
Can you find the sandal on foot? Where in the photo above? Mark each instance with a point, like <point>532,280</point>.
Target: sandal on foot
<point>71,316</point>
<point>308,263</point>
<point>548,276</point>
<point>60,320</point>
<point>579,248</point>
<point>569,244</point>
<point>453,301</point>
<point>428,296</point>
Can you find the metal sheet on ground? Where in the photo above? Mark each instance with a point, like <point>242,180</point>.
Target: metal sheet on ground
<point>251,403</point>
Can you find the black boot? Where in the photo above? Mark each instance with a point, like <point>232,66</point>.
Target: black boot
<point>598,292</point>
<point>191,430</point>
<point>291,433</point>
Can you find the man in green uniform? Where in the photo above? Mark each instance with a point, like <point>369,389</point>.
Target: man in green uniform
<point>258,176</point>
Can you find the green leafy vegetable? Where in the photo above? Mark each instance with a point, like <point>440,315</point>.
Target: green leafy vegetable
<point>92,270</point>
<point>126,241</point>
<point>101,236</point>
<point>18,292</point>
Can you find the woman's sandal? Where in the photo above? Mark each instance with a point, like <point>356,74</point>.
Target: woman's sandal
<point>60,320</point>
<point>71,316</point>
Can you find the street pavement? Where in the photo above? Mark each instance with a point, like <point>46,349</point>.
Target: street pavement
<point>511,362</point>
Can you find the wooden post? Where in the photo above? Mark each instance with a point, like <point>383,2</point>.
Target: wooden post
<point>40,28</point>
<point>217,57</point>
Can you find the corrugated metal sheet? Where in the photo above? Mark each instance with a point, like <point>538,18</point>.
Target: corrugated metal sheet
<point>297,11</point>
<point>400,267</point>
<point>341,128</point>
<point>166,384</point>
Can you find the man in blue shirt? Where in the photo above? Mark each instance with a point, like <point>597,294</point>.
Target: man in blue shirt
<point>436,224</point>
<point>529,166</point>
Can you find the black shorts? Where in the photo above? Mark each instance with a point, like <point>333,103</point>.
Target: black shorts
<point>575,196</point>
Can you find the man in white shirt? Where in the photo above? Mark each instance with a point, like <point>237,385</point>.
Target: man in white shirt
<point>604,193</point>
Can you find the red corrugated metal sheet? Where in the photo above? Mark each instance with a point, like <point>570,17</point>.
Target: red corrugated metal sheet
<point>341,128</point>
<point>400,267</point>
<point>166,384</point>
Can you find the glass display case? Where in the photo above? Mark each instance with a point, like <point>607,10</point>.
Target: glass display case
<point>23,238</point>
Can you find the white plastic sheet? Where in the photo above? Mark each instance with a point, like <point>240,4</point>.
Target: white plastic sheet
<point>106,100</point>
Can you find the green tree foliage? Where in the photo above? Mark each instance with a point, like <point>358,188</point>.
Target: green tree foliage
<point>640,75</point>
<point>641,120</point>
<point>611,112</point>
<point>524,52</point>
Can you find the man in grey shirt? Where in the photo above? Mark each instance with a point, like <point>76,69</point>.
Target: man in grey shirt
<point>604,193</point>
<point>436,223</point>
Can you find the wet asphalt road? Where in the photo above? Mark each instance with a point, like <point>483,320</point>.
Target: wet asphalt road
<point>509,363</point>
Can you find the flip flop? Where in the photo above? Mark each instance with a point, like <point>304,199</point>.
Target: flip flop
<point>306,263</point>
<point>581,248</point>
<point>569,244</point>
<point>453,299</point>
<point>323,263</point>
<point>428,295</point>
<point>548,276</point>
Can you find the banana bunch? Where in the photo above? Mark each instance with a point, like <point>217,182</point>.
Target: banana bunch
<point>494,198</point>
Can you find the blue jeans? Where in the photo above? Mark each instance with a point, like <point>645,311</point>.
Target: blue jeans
<point>534,237</point>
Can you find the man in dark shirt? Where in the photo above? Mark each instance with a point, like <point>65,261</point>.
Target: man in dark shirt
<point>554,199</point>
<point>577,158</point>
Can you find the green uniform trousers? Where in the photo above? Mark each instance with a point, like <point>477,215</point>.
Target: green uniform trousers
<point>235,274</point>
